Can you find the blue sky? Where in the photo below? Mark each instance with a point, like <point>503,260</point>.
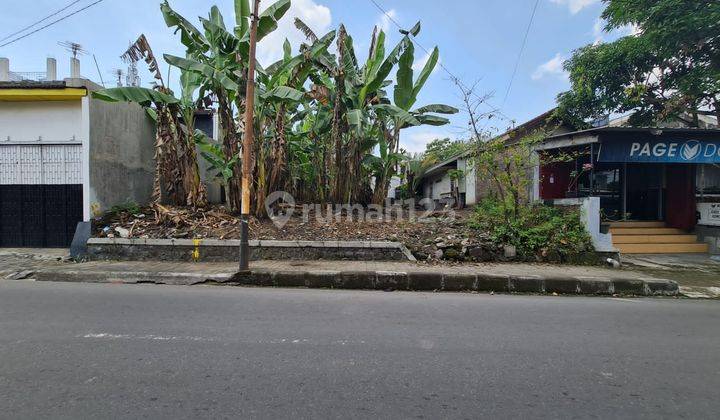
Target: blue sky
<point>479,40</point>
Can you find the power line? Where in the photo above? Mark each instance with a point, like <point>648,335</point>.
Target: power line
<point>456,79</point>
<point>41,20</point>
<point>51,23</point>
<point>520,54</point>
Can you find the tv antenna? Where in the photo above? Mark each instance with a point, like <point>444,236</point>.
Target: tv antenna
<point>132,78</point>
<point>75,48</point>
<point>119,75</point>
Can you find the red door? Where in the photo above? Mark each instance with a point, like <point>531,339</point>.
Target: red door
<point>680,196</point>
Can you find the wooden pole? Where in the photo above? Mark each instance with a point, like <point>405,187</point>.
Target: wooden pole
<point>247,144</point>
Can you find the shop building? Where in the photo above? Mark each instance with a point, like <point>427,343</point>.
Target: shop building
<point>650,190</point>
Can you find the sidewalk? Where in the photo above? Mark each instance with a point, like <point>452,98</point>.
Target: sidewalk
<point>500,278</point>
<point>697,274</point>
<point>52,265</point>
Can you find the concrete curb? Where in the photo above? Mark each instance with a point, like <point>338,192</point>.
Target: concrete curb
<point>131,277</point>
<point>384,280</point>
<point>212,250</point>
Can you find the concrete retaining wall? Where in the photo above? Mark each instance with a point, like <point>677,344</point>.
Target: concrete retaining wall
<point>227,251</point>
<point>122,150</point>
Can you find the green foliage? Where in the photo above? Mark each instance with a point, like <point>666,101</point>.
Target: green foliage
<point>220,167</point>
<point>506,166</point>
<point>670,66</point>
<point>537,229</point>
<point>456,174</point>
<point>440,150</point>
<point>325,120</point>
<point>129,206</point>
<point>143,96</point>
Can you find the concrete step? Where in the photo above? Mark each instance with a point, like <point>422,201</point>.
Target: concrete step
<point>654,239</point>
<point>637,225</point>
<point>647,231</point>
<point>663,248</point>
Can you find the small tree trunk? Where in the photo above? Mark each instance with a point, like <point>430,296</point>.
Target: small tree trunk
<point>230,147</point>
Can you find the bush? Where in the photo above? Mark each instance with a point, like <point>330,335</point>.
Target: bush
<point>538,230</point>
<point>128,206</point>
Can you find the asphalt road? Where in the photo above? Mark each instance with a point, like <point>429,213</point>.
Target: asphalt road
<point>100,351</point>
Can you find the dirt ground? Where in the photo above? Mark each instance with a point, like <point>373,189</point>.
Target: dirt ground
<point>448,229</point>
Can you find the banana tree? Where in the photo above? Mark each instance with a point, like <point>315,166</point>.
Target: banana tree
<point>177,177</point>
<point>219,55</point>
<point>282,93</point>
<point>400,115</point>
<point>354,90</point>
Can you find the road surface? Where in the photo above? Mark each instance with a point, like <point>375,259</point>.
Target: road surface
<point>100,351</point>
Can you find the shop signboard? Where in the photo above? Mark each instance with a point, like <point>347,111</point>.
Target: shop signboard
<point>661,151</point>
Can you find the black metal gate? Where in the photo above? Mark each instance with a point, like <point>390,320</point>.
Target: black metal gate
<point>39,215</point>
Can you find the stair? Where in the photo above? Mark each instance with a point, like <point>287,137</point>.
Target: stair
<point>654,238</point>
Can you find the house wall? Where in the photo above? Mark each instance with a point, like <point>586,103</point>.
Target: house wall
<point>395,183</point>
<point>435,187</point>
<point>49,121</point>
<point>438,187</point>
<point>590,214</point>
<point>121,151</point>
<point>471,197</point>
<point>485,185</point>
<point>42,173</point>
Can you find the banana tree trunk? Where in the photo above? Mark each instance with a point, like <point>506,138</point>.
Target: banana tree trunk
<point>194,190</point>
<point>337,167</point>
<point>278,153</point>
<point>169,182</point>
<point>230,148</point>
<point>382,183</point>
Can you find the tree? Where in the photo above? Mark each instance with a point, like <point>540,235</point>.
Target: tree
<point>508,167</point>
<point>177,177</point>
<point>668,68</point>
<point>218,56</point>
<point>440,150</point>
<point>400,115</point>
<point>324,124</point>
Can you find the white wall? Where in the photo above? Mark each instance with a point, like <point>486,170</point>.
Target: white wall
<point>466,185</point>
<point>438,188</point>
<point>471,187</point>
<point>395,182</point>
<point>590,208</point>
<point>52,121</point>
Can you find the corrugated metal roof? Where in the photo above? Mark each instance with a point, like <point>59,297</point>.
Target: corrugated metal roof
<point>638,130</point>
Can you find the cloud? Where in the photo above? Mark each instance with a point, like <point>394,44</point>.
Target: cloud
<point>415,141</point>
<point>386,20</point>
<point>601,35</point>
<point>599,30</point>
<point>630,30</point>
<point>553,67</point>
<point>316,16</point>
<point>576,6</point>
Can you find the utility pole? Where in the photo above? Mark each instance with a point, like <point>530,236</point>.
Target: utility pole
<point>247,143</point>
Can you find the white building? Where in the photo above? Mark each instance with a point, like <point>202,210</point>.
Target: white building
<point>65,156</point>
<point>450,183</point>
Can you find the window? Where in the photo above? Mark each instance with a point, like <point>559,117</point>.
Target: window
<point>708,179</point>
